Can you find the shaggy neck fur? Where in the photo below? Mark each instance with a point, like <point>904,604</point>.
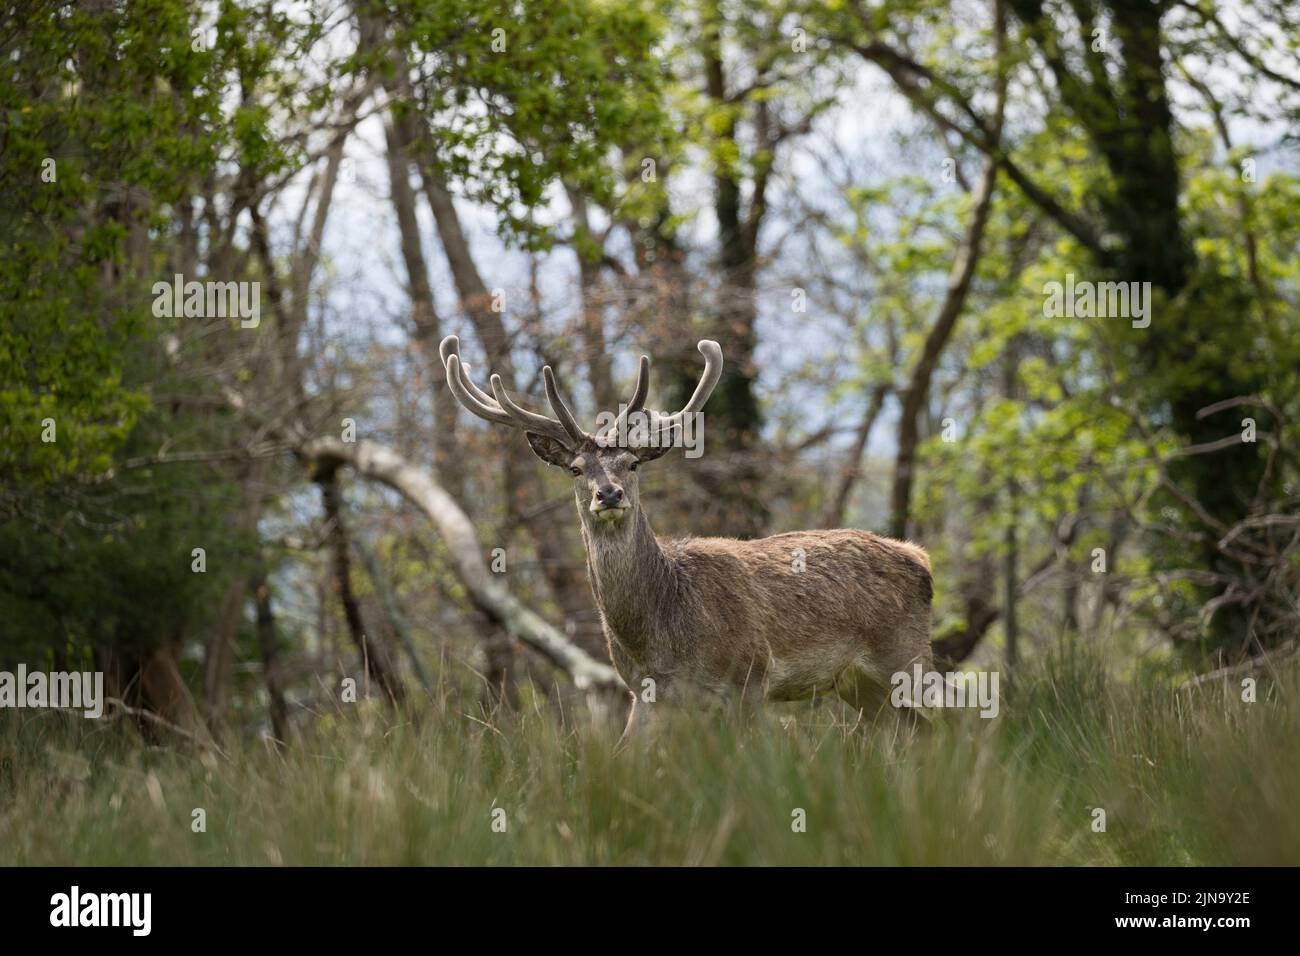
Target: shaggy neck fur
<point>633,580</point>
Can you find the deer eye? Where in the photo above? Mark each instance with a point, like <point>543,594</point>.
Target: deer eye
<point>576,472</point>
<point>632,465</point>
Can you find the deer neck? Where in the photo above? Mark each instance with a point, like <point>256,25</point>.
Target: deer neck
<point>632,578</point>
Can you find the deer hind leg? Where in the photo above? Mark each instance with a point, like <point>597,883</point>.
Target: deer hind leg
<point>867,684</point>
<point>919,643</point>
<point>863,688</point>
<point>640,719</point>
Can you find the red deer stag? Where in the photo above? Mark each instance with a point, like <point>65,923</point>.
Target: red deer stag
<point>777,618</point>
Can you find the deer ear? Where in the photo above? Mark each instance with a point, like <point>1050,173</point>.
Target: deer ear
<point>549,450</point>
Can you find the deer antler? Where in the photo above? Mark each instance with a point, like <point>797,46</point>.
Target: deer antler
<point>564,427</point>
<point>501,409</point>
<point>637,402</point>
<point>663,424</point>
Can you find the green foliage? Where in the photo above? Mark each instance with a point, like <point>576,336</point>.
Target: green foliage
<point>121,578</point>
<point>112,114</point>
<point>524,96</point>
<point>94,135</point>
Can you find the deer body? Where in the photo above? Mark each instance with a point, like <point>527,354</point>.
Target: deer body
<point>700,619</point>
<point>779,618</point>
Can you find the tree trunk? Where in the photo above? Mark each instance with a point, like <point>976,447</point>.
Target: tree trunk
<point>218,662</point>
<point>219,657</point>
<point>1010,621</point>
<point>163,691</point>
<point>839,500</point>
<point>426,326</point>
<point>736,505</point>
<point>593,325</point>
<point>393,611</point>
<point>374,653</point>
<point>916,393</point>
<point>268,645</point>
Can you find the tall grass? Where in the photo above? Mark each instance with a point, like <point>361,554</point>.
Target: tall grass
<point>1200,778</point>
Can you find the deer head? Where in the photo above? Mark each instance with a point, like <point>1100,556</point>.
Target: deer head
<point>604,463</point>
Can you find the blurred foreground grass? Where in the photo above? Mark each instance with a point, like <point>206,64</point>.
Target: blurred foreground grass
<point>1183,778</point>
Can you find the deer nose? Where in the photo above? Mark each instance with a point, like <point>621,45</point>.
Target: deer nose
<point>609,494</point>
